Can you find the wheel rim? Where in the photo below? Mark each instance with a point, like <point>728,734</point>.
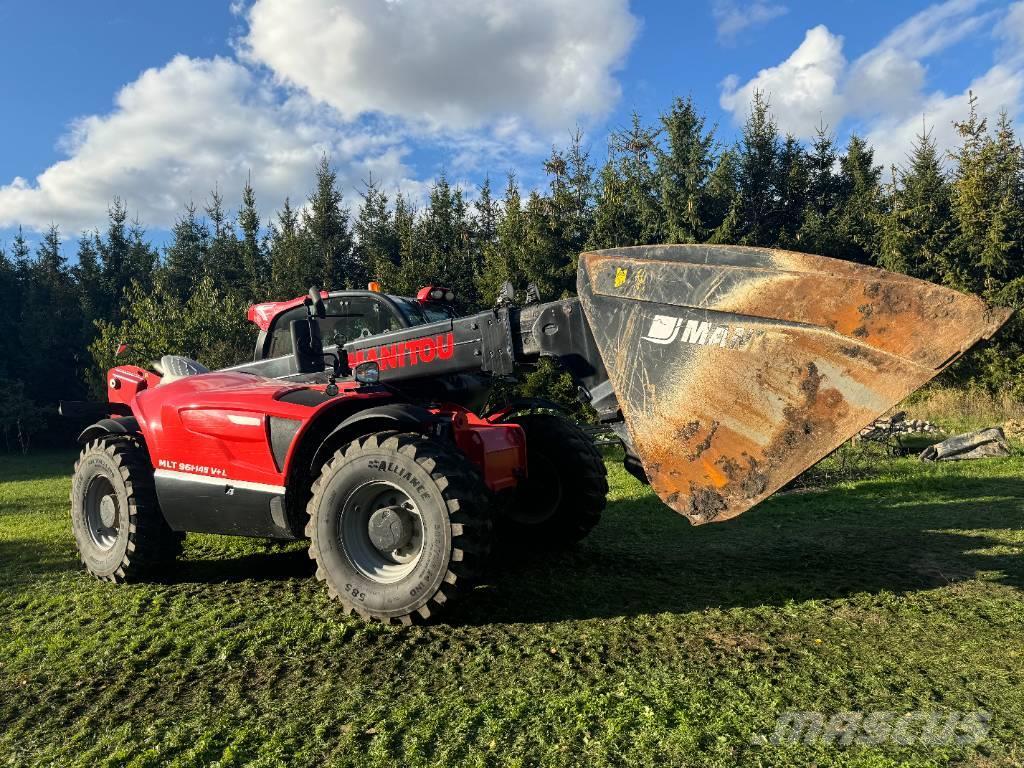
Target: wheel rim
<point>538,498</point>
<point>102,513</point>
<point>380,530</point>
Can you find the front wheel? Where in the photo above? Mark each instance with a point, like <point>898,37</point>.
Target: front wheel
<point>398,525</point>
<point>118,526</point>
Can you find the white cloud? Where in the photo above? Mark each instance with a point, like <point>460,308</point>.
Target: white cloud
<point>935,28</point>
<point>884,91</point>
<point>731,17</point>
<point>455,65</point>
<point>1011,31</point>
<point>1000,88</point>
<point>803,90</point>
<point>478,81</point>
<point>178,130</point>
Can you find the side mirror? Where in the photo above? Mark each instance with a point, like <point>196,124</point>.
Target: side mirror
<point>307,346</point>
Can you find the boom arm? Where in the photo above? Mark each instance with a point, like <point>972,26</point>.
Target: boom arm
<point>730,370</point>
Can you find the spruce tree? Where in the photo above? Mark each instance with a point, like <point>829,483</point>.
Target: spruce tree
<point>411,263</point>
<point>755,217</point>
<point>817,231</point>
<point>223,260</point>
<point>289,270</point>
<point>20,255</point>
<point>794,179</point>
<point>142,260</point>
<point>185,256</point>
<point>10,300</point>
<point>859,223</point>
<point>722,198</point>
<point>987,203</point>
<point>486,215</point>
<point>254,257</point>
<point>88,275</point>
<point>52,325</point>
<point>560,222</point>
<point>629,210</point>
<point>684,169</point>
<point>919,228</point>
<point>113,258</point>
<point>326,223</point>
<point>504,257</point>
<point>376,239</point>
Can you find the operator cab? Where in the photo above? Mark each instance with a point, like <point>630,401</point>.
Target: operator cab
<point>348,316</point>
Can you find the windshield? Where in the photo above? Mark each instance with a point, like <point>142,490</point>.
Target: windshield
<point>418,314</point>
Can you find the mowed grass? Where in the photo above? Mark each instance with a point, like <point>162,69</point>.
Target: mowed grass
<point>652,643</point>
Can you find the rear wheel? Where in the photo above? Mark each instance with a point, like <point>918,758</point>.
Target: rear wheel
<point>398,525</point>
<point>565,490</point>
<point>118,526</point>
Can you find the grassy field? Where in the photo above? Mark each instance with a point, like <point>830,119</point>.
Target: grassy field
<point>652,643</point>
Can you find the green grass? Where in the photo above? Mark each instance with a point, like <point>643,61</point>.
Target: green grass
<point>653,643</point>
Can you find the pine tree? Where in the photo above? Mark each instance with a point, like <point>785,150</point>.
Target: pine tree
<point>289,267</point>
<point>185,257</point>
<point>629,208</point>
<point>817,233</point>
<point>684,169</point>
<point>794,178</point>
<point>224,261</point>
<point>254,257</point>
<point>376,240</point>
<point>987,203</point>
<point>755,217</point>
<point>858,227</point>
<point>722,198</point>
<point>919,228</point>
<point>326,223</point>
<point>88,274</point>
<point>503,258</point>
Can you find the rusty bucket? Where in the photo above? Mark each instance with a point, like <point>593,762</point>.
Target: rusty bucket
<point>738,368</point>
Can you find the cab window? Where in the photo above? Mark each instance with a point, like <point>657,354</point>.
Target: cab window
<point>348,318</point>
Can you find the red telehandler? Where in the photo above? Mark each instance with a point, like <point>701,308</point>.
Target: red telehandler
<point>725,371</point>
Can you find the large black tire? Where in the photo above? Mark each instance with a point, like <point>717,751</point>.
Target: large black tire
<point>399,524</point>
<point>566,488</point>
<point>118,526</point>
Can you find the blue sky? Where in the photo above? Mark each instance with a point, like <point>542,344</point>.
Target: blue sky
<point>157,102</point>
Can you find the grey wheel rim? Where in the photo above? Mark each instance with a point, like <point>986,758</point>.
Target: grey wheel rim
<point>102,513</point>
<point>380,530</point>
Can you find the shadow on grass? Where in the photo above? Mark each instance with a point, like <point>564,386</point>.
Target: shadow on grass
<point>23,560</point>
<point>258,566</point>
<point>883,535</point>
<point>36,465</point>
<point>879,536</point>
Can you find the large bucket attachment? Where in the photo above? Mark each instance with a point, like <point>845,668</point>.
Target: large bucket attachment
<point>738,368</point>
